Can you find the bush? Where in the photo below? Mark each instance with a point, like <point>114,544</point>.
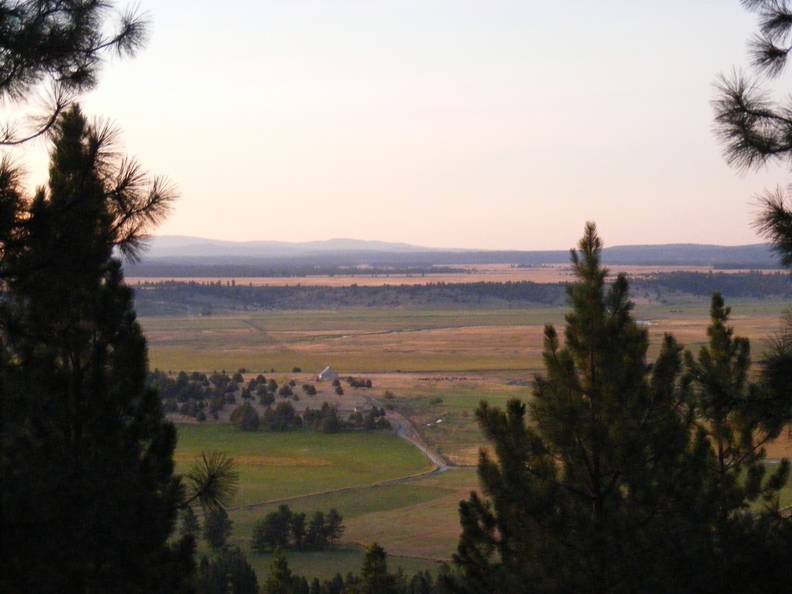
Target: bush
<point>309,389</point>
<point>265,399</point>
<point>282,418</point>
<point>339,390</point>
<point>285,391</point>
<point>245,417</point>
<point>189,409</point>
<point>296,370</point>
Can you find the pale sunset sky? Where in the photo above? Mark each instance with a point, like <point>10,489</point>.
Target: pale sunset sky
<point>502,124</point>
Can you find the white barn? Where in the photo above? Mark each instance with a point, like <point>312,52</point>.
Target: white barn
<point>327,374</point>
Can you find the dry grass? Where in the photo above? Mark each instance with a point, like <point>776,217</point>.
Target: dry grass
<point>490,273</point>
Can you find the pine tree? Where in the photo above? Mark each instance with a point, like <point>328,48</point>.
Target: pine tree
<point>189,523</point>
<point>227,573</point>
<point>752,548</point>
<point>334,526</point>
<point>89,497</point>
<point>281,580</point>
<point>737,416</point>
<point>374,576</point>
<point>217,528</point>
<point>585,490</point>
<point>60,42</point>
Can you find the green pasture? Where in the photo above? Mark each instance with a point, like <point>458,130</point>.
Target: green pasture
<point>280,465</point>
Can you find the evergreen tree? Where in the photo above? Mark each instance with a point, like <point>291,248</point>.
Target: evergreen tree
<point>317,532</point>
<point>334,526</point>
<point>590,492</point>
<point>273,531</point>
<point>189,523</point>
<point>374,576</point>
<point>217,528</point>
<point>227,573</point>
<point>60,42</point>
<point>89,498</point>
<point>245,417</point>
<point>281,580</point>
<point>298,530</point>
<point>753,542</point>
<point>737,416</point>
<point>755,130</point>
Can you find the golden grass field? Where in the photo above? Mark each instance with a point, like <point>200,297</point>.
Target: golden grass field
<point>493,273</point>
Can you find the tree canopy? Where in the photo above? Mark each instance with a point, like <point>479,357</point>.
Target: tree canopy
<point>753,128</point>
<point>59,43</point>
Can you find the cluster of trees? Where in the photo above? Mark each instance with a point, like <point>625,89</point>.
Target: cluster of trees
<point>359,382</point>
<point>228,569</point>
<point>201,396</point>
<point>284,417</point>
<point>374,578</point>
<point>287,529</point>
<point>296,270</point>
<point>750,285</point>
<point>326,420</point>
<point>175,296</point>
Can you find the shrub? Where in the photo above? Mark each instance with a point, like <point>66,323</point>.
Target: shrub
<point>282,418</point>
<point>245,417</point>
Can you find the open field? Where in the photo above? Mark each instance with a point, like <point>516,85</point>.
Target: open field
<point>438,364</point>
<point>490,273</point>
<point>279,465</point>
<point>381,340</point>
<point>287,465</point>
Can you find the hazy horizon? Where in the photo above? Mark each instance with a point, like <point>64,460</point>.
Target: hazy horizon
<point>451,124</point>
<point>442,247</point>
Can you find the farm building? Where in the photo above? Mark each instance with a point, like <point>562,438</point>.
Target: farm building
<point>328,374</point>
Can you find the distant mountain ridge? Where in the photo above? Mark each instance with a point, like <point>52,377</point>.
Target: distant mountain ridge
<point>195,256</point>
<point>179,246</point>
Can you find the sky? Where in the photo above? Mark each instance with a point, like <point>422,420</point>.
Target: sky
<point>497,124</point>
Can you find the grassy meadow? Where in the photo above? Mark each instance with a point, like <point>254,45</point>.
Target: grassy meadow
<point>282,465</point>
<point>317,472</point>
<point>403,340</point>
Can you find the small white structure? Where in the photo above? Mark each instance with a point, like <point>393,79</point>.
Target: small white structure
<point>327,374</point>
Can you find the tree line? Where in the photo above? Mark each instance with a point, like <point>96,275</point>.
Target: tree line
<point>284,417</point>
<point>286,529</point>
<point>174,297</point>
